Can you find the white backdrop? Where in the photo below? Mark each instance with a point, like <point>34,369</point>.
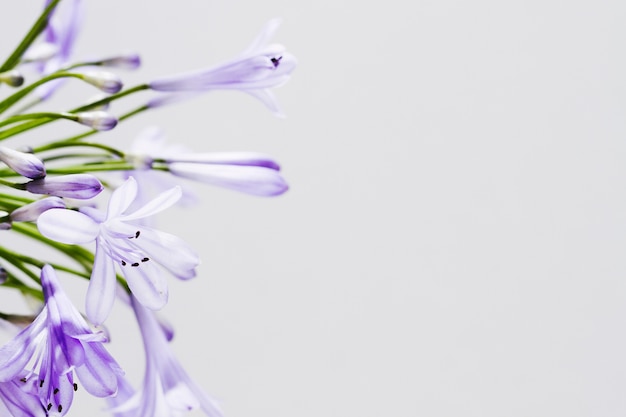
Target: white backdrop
<point>452,243</point>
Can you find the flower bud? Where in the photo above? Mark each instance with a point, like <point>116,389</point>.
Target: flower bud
<point>105,81</point>
<point>13,78</point>
<point>129,61</point>
<point>25,164</point>
<point>80,186</point>
<point>30,212</point>
<point>98,120</point>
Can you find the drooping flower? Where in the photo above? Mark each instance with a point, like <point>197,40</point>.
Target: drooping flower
<point>80,186</point>
<point>257,69</point>
<point>167,389</point>
<point>58,342</point>
<point>122,240</point>
<point>247,172</point>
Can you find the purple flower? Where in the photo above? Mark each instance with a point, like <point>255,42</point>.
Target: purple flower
<point>30,212</point>
<point>80,186</point>
<point>256,70</point>
<point>122,240</point>
<point>167,390</point>
<point>20,399</point>
<point>58,342</point>
<point>247,172</point>
<point>23,163</point>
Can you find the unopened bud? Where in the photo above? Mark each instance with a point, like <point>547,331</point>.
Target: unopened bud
<point>30,212</point>
<point>23,163</point>
<point>105,81</point>
<point>99,120</point>
<point>129,61</point>
<point>80,186</point>
<point>13,78</point>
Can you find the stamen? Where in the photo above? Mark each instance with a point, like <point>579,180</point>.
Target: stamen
<point>137,233</point>
<point>41,383</point>
<point>276,61</point>
<point>23,379</point>
<point>123,263</point>
<point>145,259</point>
<point>75,386</point>
<point>60,408</point>
<point>135,264</point>
<point>56,391</point>
<point>49,406</point>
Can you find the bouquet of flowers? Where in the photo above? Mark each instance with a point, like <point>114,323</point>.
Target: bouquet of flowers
<point>48,196</point>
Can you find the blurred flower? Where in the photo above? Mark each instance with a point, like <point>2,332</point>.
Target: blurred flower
<point>167,390</point>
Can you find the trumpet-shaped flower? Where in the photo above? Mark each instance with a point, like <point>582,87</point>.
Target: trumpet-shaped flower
<point>247,172</point>
<point>257,69</point>
<point>167,390</point>
<point>60,342</point>
<point>122,240</point>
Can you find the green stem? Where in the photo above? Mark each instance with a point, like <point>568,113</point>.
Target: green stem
<point>35,123</point>
<point>35,116</point>
<point>69,144</point>
<point>30,37</point>
<point>14,98</point>
<point>97,167</point>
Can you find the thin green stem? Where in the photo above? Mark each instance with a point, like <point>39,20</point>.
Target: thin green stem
<point>70,144</point>
<point>36,123</point>
<point>14,98</point>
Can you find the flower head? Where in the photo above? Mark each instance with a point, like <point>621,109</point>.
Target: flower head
<point>167,390</point>
<point>123,241</point>
<point>61,342</point>
<point>257,69</point>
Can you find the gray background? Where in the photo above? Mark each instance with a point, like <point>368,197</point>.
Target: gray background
<point>452,243</point>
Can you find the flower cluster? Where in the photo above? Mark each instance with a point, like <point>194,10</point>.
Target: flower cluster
<point>48,196</point>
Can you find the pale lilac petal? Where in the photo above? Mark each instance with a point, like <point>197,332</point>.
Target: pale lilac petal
<point>147,284</point>
<point>101,290</point>
<point>68,226</point>
<point>268,98</point>
<point>170,251</point>
<point>246,179</point>
<point>161,202</point>
<point>99,372</point>
<point>227,158</point>
<point>122,198</point>
<point>15,355</point>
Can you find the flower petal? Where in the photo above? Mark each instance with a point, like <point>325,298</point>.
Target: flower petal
<point>101,290</point>
<point>67,226</point>
<point>122,198</point>
<point>147,284</point>
<point>164,200</point>
<point>253,180</point>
